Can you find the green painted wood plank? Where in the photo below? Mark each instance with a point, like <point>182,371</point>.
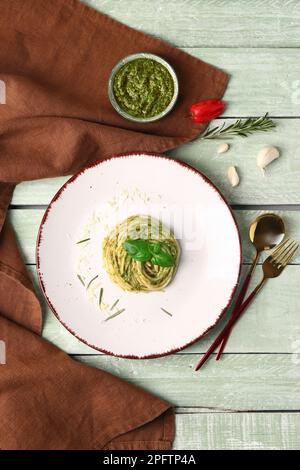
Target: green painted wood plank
<point>261,80</point>
<point>211,23</point>
<point>241,382</point>
<point>238,431</point>
<point>38,191</point>
<point>26,224</point>
<point>279,186</point>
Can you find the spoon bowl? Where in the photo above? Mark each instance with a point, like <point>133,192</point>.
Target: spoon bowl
<point>266,231</point>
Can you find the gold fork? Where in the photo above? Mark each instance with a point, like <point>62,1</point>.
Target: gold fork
<point>272,267</point>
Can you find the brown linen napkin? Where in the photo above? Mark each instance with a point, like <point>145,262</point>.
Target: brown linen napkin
<point>55,59</point>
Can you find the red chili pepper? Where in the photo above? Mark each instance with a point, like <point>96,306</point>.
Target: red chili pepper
<point>206,110</point>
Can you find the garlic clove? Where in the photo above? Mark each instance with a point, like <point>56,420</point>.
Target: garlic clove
<point>222,148</point>
<point>266,156</point>
<point>233,176</point>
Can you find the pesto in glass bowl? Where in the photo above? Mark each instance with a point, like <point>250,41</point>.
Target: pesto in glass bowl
<point>143,87</point>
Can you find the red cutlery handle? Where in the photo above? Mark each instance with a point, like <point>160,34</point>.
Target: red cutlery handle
<point>238,303</point>
<point>230,324</point>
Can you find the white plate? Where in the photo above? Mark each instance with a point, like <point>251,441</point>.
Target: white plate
<point>107,193</point>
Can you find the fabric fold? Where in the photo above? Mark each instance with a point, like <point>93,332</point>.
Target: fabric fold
<point>55,60</point>
<point>55,402</point>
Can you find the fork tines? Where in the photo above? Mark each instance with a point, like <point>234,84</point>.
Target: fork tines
<point>284,252</point>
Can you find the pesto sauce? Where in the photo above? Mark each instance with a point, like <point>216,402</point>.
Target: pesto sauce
<point>143,88</point>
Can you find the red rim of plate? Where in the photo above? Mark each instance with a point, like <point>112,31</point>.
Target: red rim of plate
<point>71,180</point>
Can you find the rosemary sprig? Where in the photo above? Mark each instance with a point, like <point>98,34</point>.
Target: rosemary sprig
<point>115,314</point>
<point>81,280</point>
<point>166,311</point>
<point>114,304</point>
<point>100,296</point>
<point>240,127</point>
<point>82,241</point>
<point>92,280</point>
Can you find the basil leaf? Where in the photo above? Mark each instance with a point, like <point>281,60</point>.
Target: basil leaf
<point>141,257</point>
<point>135,246</point>
<point>163,259</point>
<point>154,248</point>
<point>130,247</point>
<point>138,249</point>
<point>145,250</point>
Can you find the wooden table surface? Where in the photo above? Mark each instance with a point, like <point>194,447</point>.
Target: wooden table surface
<point>251,399</point>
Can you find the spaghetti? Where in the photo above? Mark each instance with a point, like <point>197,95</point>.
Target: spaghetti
<point>130,274</point>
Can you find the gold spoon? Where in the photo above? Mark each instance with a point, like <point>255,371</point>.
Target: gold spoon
<point>265,232</point>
